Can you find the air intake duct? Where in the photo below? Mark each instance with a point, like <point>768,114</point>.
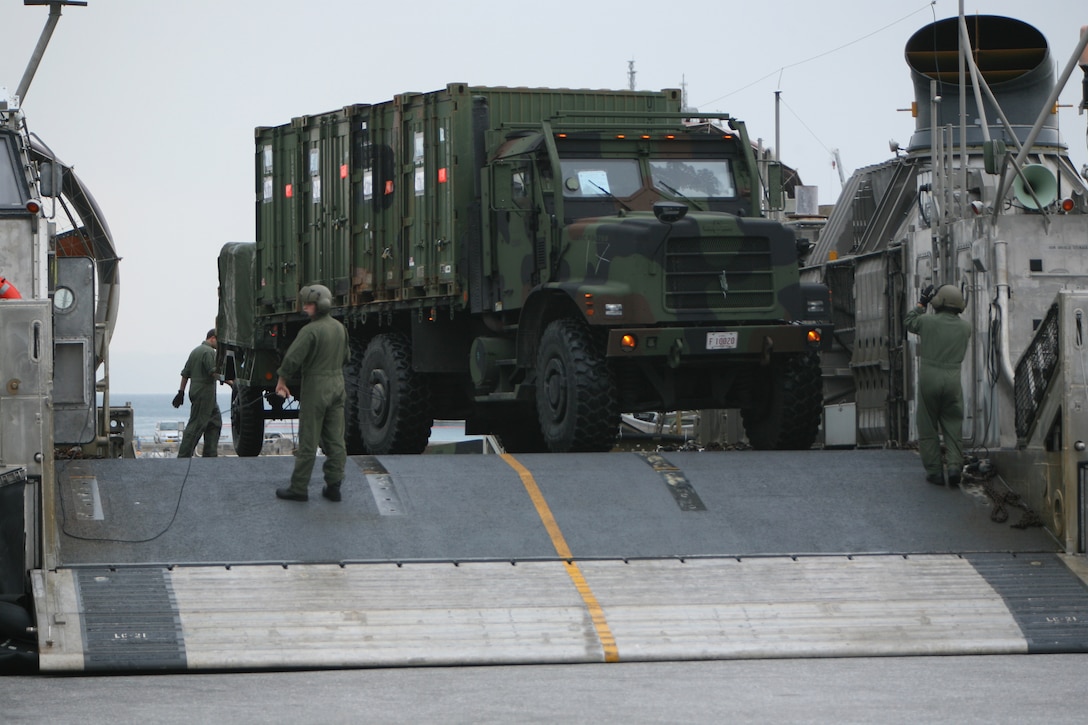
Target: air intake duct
<point>1014,60</point>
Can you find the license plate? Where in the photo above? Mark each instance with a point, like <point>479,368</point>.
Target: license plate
<point>721,340</point>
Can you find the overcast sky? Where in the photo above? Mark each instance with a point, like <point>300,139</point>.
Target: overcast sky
<point>155,103</point>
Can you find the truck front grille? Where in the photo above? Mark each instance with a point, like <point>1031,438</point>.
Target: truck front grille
<point>694,267</point>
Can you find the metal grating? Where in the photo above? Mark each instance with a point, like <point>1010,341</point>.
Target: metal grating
<point>129,617</point>
<point>1048,601</point>
<point>694,269</point>
<point>1082,506</point>
<point>1035,371</point>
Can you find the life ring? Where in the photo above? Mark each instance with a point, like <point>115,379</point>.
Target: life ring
<point>8,291</point>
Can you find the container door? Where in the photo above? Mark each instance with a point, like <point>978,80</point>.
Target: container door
<point>414,182</point>
<point>367,180</point>
<point>327,194</point>
<point>387,189</point>
<point>337,221</point>
<point>438,210</point>
<point>278,218</point>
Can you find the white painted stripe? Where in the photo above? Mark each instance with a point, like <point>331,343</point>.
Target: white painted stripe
<point>382,615</point>
<point>498,613</point>
<point>808,607</point>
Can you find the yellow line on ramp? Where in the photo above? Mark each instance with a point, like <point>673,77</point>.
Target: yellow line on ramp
<point>604,632</point>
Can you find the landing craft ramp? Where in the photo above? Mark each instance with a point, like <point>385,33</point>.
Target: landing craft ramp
<point>194,564</point>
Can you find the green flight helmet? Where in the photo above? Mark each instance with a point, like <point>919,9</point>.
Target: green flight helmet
<point>949,297</point>
<point>319,294</point>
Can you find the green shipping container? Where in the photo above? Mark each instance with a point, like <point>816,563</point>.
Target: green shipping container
<point>381,203</point>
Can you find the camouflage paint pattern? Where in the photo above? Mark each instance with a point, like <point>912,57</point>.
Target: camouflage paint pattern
<point>452,207</point>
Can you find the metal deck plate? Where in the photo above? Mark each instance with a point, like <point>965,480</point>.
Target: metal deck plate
<point>576,558</point>
<point>500,613</point>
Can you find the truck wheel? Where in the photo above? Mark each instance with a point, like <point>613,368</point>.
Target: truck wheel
<point>575,394</point>
<point>393,403</point>
<point>353,402</point>
<point>247,419</point>
<point>787,415</point>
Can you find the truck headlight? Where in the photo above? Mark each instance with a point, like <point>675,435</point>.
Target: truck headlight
<point>613,309</point>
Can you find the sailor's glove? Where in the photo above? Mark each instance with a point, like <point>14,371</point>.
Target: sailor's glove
<point>179,399</point>
<point>927,294</point>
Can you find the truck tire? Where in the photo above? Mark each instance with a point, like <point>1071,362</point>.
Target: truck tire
<point>393,402</point>
<point>247,419</point>
<point>353,424</point>
<point>786,416</point>
<point>575,393</point>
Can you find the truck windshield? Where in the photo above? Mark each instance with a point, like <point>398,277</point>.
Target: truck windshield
<point>694,178</point>
<point>594,178</point>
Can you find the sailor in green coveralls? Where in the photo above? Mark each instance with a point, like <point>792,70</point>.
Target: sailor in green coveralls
<point>318,355</point>
<point>205,419</point>
<point>942,345</point>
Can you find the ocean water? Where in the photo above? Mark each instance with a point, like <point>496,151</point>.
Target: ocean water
<point>151,408</point>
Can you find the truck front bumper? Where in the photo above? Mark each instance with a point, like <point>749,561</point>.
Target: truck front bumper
<point>704,343</point>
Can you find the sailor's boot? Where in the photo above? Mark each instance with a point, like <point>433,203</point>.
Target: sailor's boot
<point>331,491</point>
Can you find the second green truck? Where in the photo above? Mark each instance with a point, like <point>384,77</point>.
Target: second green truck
<point>531,261</point>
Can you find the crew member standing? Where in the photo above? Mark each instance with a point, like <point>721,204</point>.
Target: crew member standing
<point>318,355</point>
<point>943,339</point>
<point>204,416</point>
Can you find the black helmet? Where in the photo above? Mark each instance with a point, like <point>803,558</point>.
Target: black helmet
<point>319,295</point>
<point>949,297</point>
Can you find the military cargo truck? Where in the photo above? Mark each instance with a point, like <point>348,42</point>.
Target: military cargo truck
<point>532,261</point>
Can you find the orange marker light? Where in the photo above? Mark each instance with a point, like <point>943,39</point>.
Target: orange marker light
<point>33,206</point>
<point>1067,205</point>
<point>814,336</point>
<point>628,342</point>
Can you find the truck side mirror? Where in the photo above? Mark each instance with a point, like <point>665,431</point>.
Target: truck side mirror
<point>774,186</point>
<point>50,178</point>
